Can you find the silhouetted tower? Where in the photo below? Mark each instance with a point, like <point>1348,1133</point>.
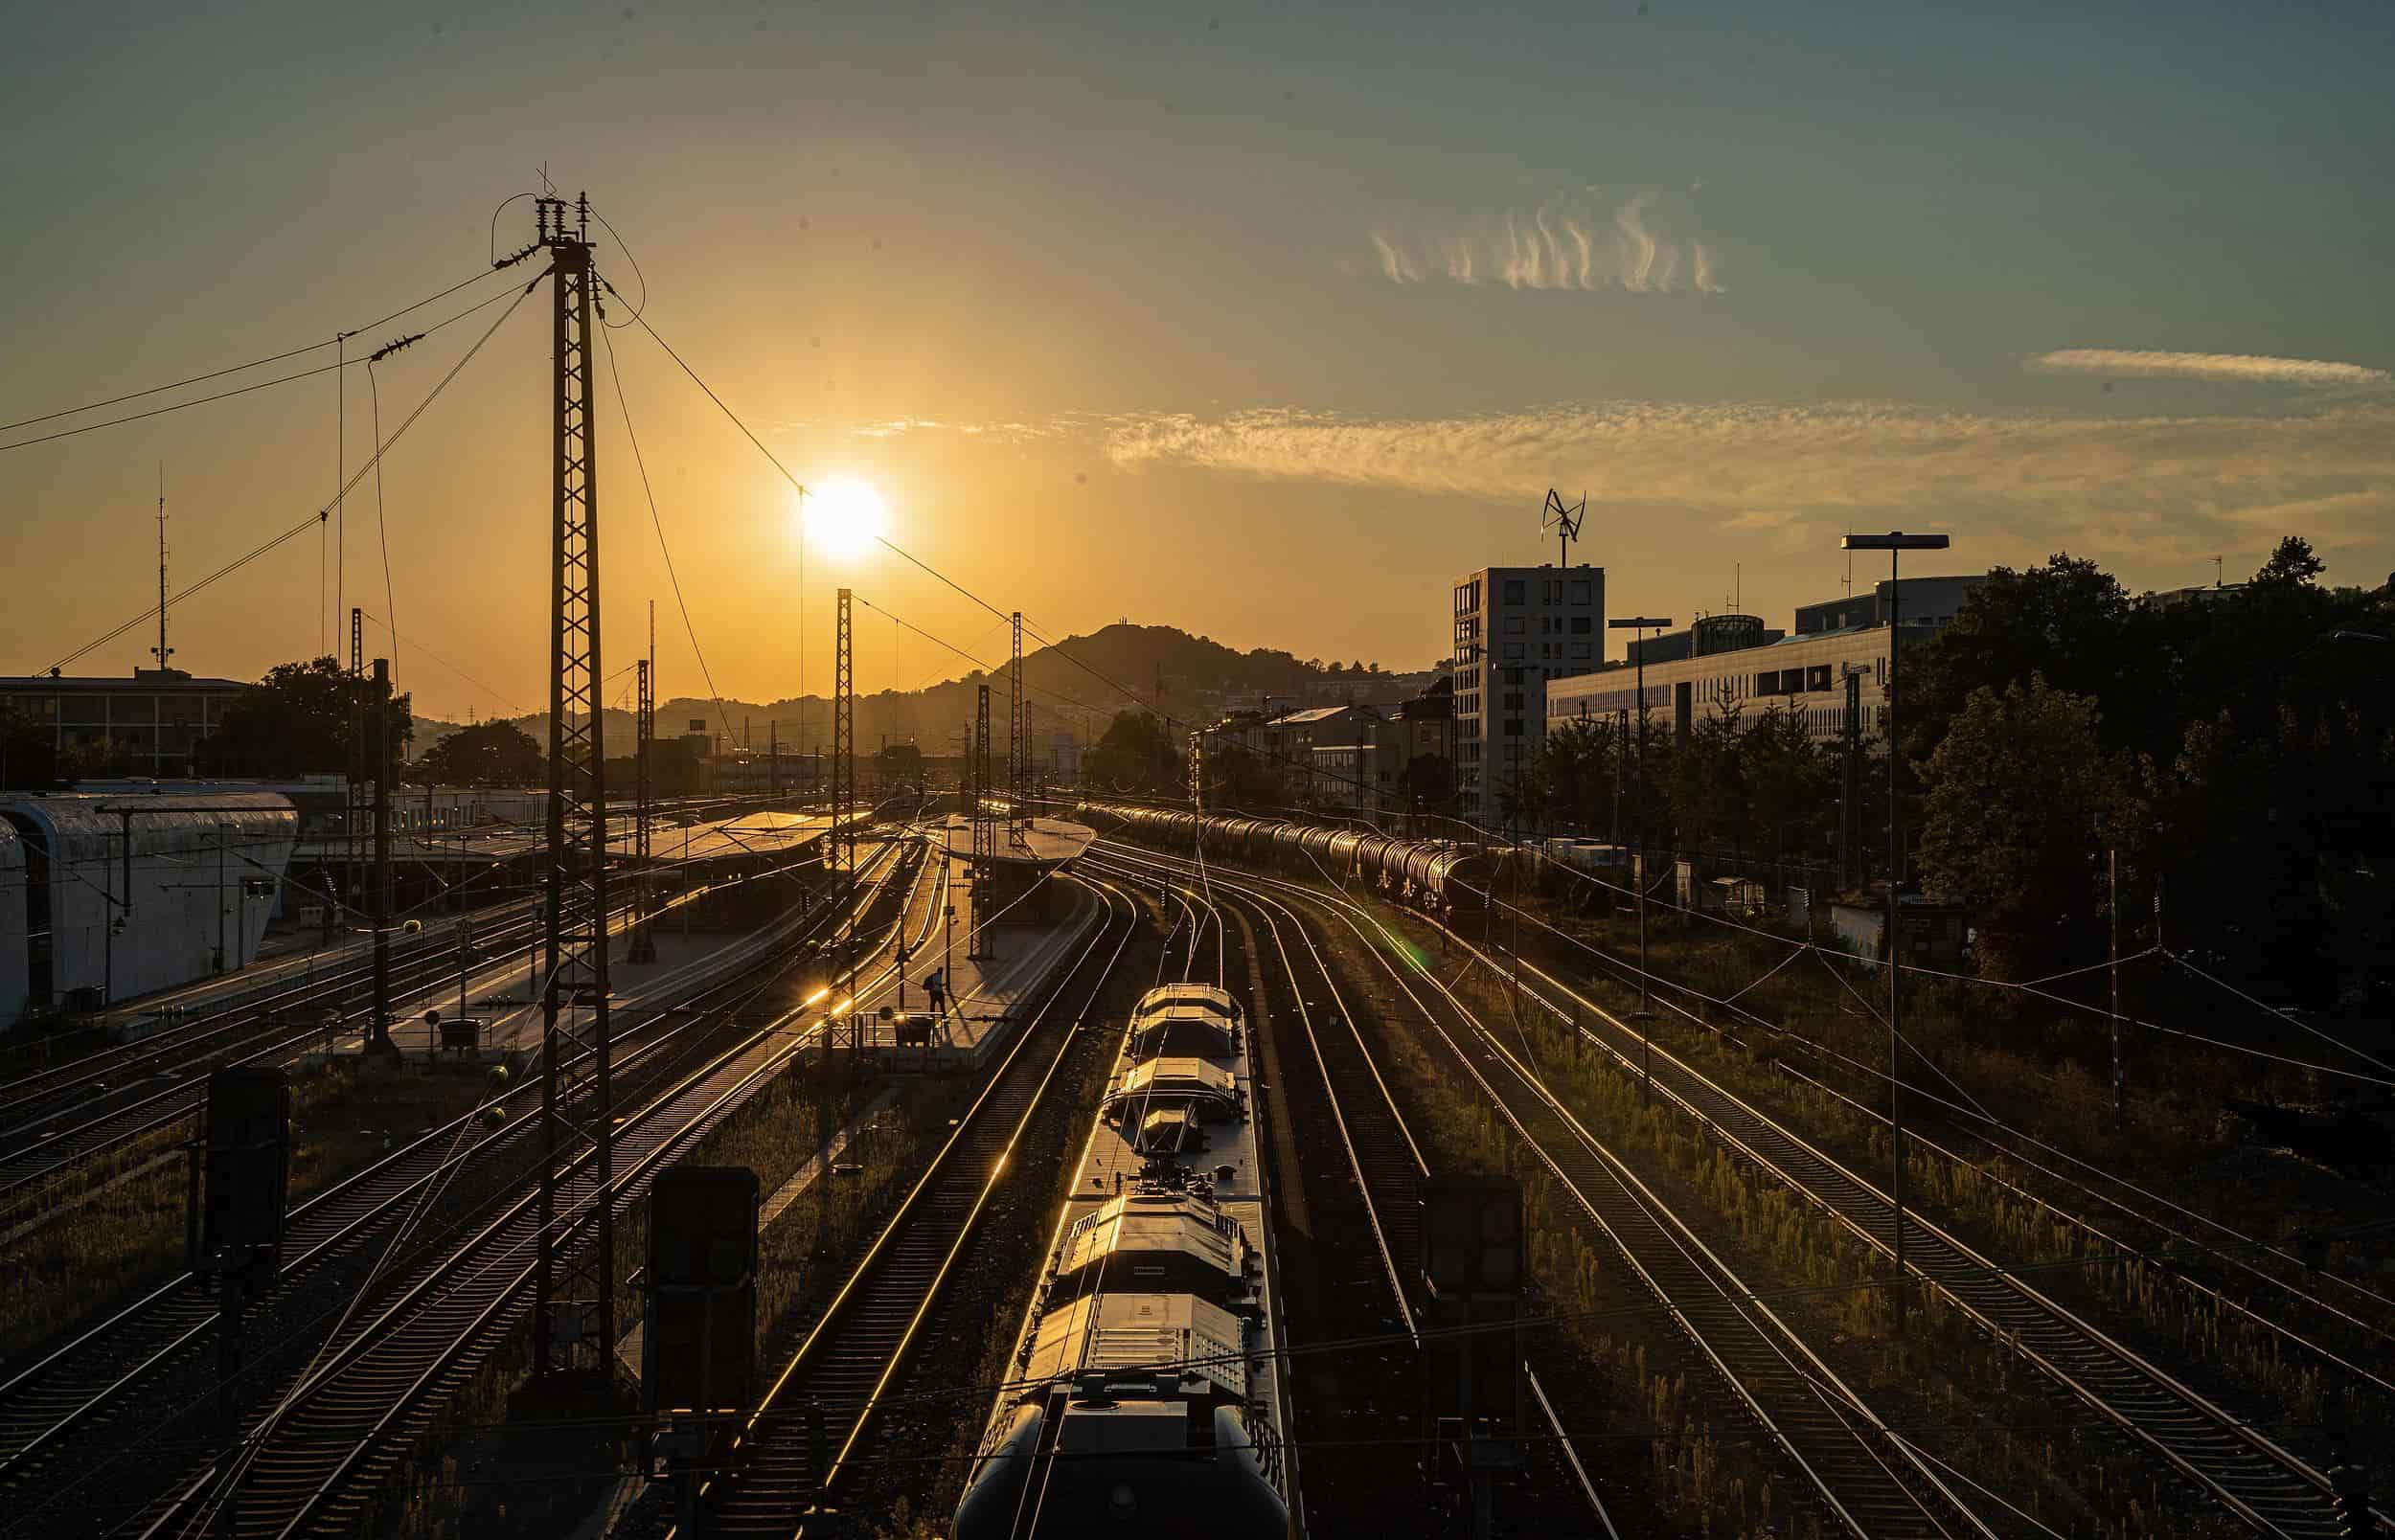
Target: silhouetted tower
<point>1017,740</point>
<point>357,808</point>
<point>163,651</point>
<point>574,1286</point>
<point>844,778</point>
<point>378,1035</point>
<point>985,824</point>
<point>644,945</point>
<point>844,736</point>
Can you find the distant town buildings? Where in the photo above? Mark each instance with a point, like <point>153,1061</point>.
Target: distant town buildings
<point>1516,631</point>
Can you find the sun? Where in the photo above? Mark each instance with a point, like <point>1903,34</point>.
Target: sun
<point>844,516</point>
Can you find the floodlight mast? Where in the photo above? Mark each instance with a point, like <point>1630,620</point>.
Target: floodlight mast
<point>1896,542</point>
<point>1641,624</point>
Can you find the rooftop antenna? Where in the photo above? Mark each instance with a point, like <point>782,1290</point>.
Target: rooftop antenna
<point>1850,570</point>
<point>1738,587</point>
<point>162,651</point>
<point>1565,522</point>
<point>2216,572</point>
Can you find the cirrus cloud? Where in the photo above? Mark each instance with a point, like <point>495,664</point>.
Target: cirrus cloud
<point>2242,368</point>
<point>1572,241</point>
<point>2151,486</point>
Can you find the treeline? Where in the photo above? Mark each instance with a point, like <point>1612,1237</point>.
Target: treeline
<point>2235,753</point>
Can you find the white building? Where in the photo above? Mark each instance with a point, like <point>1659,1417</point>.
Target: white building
<point>1518,631</point>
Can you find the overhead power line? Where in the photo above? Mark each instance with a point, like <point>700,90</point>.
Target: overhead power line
<point>324,513</point>
<point>220,374</point>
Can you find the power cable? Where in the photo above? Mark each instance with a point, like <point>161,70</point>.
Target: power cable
<point>624,406</point>
<point>234,369</point>
<point>324,513</point>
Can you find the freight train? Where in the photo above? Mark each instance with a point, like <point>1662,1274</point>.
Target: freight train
<point>1147,1395</point>
<point>1442,877</point>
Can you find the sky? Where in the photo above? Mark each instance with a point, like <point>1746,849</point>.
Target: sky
<point>1266,322</point>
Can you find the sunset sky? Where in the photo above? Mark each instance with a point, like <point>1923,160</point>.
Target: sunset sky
<point>1264,322</point>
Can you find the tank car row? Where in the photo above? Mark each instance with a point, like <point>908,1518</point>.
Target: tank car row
<point>1147,1394</point>
<point>1440,877</point>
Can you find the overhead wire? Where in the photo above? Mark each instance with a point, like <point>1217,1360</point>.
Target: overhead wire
<point>321,515</point>
<point>236,369</point>
<point>624,407</point>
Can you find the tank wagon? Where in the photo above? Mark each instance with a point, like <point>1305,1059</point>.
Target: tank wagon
<point>1147,1395</point>
<point>1440,877</point>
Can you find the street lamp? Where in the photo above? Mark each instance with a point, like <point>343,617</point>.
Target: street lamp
<point>1641,624</point>
<point>1895,543</point>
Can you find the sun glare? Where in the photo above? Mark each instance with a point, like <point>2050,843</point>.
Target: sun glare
<point>843,517</point>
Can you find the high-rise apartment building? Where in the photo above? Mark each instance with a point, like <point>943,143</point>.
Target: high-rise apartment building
<point>1515,628</point>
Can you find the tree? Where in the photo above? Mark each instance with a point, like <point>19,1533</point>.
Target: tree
<point>1577,772</point>
<point>1791,784</point>
<point>1137,755</point>
<point>487,754</point>
<point>301,719</point>
<point>1239,776</point>
<point>2021,801</point>
<point>2290,563</point>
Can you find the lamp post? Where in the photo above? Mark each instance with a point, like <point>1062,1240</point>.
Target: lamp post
<point>1895,543</point>
<point>1641,624</point>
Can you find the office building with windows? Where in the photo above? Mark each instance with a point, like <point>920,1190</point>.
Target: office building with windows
<point>1515,628</point>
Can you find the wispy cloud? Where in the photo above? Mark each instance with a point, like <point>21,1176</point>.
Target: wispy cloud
<point>1572,241</point>
<point>2247,368</point>
<point>2152,487</point>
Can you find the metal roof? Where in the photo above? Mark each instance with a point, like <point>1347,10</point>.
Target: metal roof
<point>1150,1333</point>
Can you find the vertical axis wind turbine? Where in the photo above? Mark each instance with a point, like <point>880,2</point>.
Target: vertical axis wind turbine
<point>1565,522</point>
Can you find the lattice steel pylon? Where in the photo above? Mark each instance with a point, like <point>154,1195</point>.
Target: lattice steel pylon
<point>985,826</point>
<point>353,813</point>
<point>1017,742</point>
<point>844,783</point>
<point>574,1286</point>
<point>644,942</point>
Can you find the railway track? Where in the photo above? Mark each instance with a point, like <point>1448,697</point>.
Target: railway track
<point>807,1431</point>
<point>2224,1454</point>
<point>44,1147</point>
<point>62,1395</point>
<point>1863,1478</point>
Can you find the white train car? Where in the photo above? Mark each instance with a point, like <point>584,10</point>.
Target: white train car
<point>1147,1395</point>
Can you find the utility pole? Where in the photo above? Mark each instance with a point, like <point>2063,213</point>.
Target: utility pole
<point>1895,543</point>
<point>221,827</point>
<point>1850,789</point>
<point>380,1038</point>
<point>1641,624</point>
<point>573,1289</point>
<point>2112,903</point>
<point>844,792</point>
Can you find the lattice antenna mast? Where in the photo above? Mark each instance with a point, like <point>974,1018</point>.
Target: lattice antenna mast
<point>574,1286</point>
<point>358,801</point>
<point>162,651</point>
<point>1565,522</point>
<point>1196,773</point>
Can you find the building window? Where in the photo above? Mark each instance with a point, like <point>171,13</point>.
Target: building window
<point>1515,626</point>
<point>1514,591</point>
<point>1584,591</point>
<point>1580,650</point>
<point>1512,727</point>
<point>1513,652</point>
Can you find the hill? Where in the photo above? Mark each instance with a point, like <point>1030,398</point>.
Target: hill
<point>1077,685</point>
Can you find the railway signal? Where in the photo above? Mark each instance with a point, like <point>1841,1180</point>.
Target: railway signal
<point>239,1183</point>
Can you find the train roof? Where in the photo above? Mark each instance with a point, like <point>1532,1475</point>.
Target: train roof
<point>1153,1231</point>
<point>1143,1337</point>
<point>1179,1080</point>
<point>1187,998</point>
